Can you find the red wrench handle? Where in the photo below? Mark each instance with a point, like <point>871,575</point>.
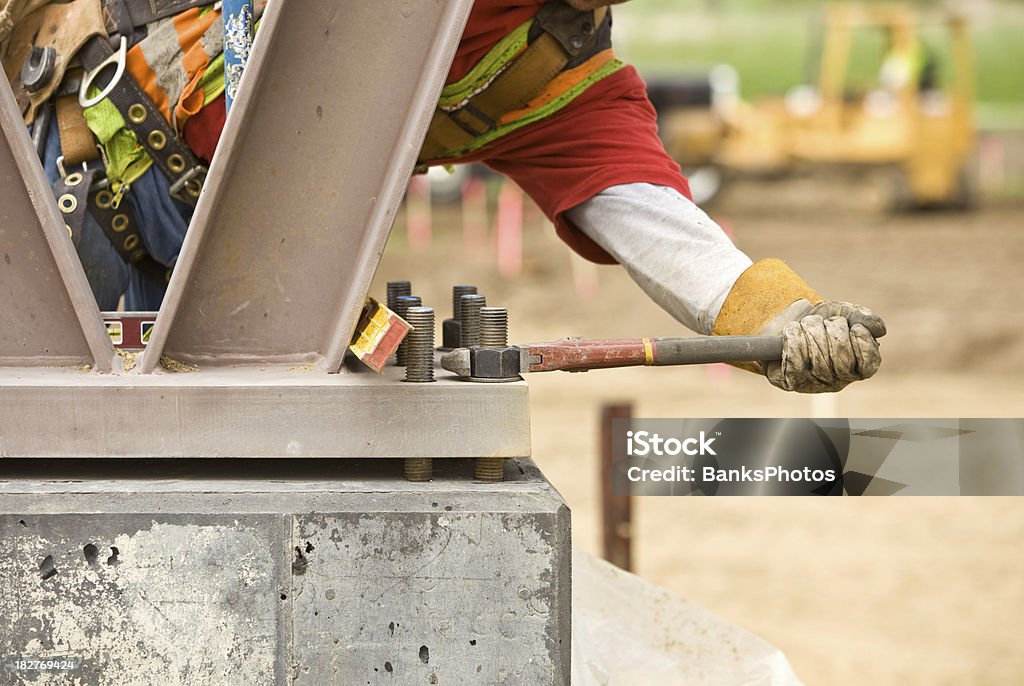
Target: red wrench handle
<point>581,355</point>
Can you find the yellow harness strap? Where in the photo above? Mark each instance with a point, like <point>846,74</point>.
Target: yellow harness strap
<point>513,89</point>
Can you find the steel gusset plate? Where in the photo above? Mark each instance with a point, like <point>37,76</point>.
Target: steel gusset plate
<point>48,316</point>
<point>310,171</point>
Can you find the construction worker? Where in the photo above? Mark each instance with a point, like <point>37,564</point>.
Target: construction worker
<point>907,62</point>
<point>536,93</point>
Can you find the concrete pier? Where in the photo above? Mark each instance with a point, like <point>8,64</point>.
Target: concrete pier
<point>256,572</point>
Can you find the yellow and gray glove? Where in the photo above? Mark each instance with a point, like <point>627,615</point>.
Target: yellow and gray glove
<point>827,345</point>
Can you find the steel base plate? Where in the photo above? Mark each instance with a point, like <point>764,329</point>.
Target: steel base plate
<point>251,413</point>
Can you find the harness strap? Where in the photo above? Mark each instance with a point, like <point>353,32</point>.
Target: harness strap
<point>117,20</point>
<point>72,194</point>
<point>76,140</point>
<point>122,230</point>
<point>141,116</point>
<point>573,29</point>
<point>567,35</point>
<point>120,13</point>
<point>81,191</point>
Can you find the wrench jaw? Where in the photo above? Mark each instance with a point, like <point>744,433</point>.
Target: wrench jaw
<point>457,362</point>
<point>527,359</point>
<point>487,364</point>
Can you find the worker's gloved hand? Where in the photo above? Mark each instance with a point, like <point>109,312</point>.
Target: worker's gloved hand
<point>827,345</point>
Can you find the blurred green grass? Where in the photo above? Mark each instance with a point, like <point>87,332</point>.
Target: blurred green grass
<point>770,43</point>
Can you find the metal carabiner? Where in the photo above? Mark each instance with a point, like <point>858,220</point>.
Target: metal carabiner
<point>118,58</point>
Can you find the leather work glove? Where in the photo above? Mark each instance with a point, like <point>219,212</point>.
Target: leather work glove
<point>827,345</point>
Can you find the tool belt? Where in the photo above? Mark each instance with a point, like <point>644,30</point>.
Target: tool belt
<point>559,39</point>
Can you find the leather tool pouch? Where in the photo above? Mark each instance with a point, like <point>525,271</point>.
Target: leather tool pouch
<point>64,27</point>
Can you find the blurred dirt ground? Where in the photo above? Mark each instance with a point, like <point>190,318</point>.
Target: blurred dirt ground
<point>880,591</point>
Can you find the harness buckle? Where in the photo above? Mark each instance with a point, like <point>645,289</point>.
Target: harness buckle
<point>117,59</point>
<point>187,187</point>
<point>63,171</point>
<point>97,185</point>
<point>489,124</point>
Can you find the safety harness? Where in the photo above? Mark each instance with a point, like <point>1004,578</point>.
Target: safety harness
<point>142,118</point>
<point>124,20</point>
<point>105,79</point>
<point>89,189</point>
<point>537,70</point>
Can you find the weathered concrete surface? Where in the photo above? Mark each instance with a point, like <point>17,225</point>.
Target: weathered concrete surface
<point>258,572</point>
<point>144,599</point>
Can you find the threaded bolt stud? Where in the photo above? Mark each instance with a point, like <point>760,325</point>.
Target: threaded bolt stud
<point>418,468</point>
<point>490,469</point>
<point>419,356</point>
<point>470,314</point>
<point>395,289</point>
<point>493,327</point>
<point>451,329</point>
<point>402,305</point>
<point>457,293</point>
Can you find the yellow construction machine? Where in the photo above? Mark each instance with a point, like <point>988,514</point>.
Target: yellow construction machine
<point>908,108</point>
